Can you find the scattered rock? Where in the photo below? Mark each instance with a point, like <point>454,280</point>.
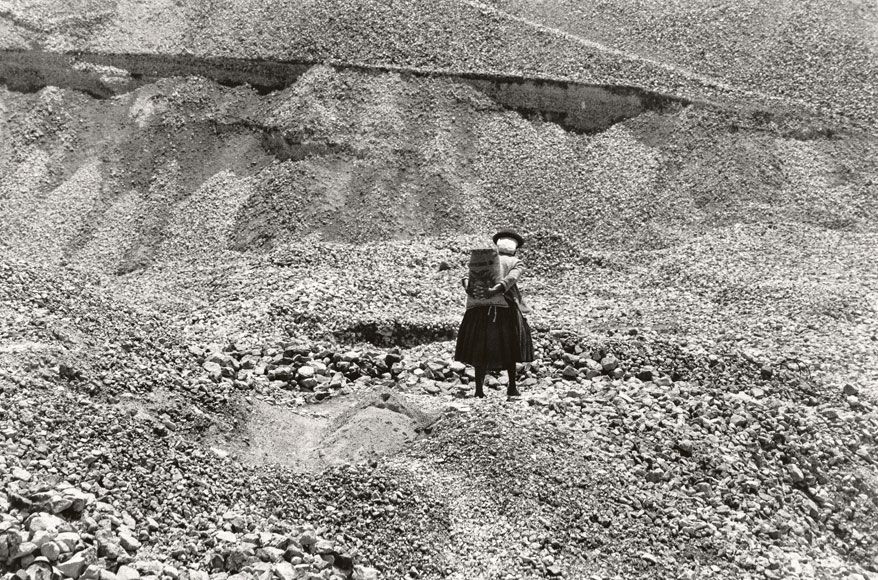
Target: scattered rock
<point>738,420</point>
<point>609,363</point>
<point>795,473</point>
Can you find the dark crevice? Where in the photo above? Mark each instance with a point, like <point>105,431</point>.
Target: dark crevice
<point>577,107</point>
<point>396,333</point>
<point>261,89</point>
<point>25,80</point>
<point>286,147</point>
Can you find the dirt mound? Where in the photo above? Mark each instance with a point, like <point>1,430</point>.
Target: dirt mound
<point>339,432</point>
<point>188,169</point>
<point>367,435</point>
<point>282,436</point>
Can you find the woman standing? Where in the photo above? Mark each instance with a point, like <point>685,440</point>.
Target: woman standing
<point>497,337</point>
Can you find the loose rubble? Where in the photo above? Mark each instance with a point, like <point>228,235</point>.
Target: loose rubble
<point>176,259</point>
<point>759,475</point>
<point>80,537</point>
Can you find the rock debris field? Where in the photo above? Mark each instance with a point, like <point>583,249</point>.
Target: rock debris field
<point>228,307</point>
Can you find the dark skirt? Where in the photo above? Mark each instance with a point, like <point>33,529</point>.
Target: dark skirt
<point>494,338</point>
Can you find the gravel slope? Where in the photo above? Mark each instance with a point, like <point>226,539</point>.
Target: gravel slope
<point>816,56</point>
<point>238,209</point>
<point>820,52</point>
<point>417,156</point>
<point>178,261</point>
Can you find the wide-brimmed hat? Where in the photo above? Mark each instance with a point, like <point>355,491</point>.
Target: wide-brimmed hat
<point>509,234</point>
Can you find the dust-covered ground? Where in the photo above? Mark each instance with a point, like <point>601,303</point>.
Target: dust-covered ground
<point>227,320</point>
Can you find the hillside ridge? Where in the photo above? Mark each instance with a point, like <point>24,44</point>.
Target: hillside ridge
<point>700,58</point>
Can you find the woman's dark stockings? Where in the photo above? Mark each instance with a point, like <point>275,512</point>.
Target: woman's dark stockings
<point>511,388</point>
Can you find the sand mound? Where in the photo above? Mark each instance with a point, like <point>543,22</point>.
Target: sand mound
<point>339,432</point>
<point>369,434</point>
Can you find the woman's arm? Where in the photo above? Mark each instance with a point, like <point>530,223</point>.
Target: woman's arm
<point>512,277</point>
<point>510,280</point>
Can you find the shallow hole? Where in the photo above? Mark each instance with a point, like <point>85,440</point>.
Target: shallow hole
<point>396,333</point>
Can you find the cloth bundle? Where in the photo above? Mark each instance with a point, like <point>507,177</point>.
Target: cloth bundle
<point>484,272</point>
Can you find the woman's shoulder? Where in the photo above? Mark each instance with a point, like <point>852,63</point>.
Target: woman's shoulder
<point>510,265</point>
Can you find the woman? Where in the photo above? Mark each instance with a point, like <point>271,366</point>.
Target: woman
<point>497,337</point>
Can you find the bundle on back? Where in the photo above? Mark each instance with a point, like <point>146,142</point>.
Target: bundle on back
<point>484,272</point>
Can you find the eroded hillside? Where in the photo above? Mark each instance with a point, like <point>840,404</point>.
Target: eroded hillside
<point>365,155</point>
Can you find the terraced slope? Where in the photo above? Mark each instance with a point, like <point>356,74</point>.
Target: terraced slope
<point>815,55</point>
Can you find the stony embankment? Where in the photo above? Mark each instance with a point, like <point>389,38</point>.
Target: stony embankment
<point>51,531</point>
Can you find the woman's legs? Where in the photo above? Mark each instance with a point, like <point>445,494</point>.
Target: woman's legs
<point>511,388</point>
<point>480,381</point>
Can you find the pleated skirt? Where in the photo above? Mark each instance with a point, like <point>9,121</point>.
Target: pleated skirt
<point>494,338</point>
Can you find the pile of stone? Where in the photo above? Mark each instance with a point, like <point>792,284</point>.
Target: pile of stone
<point>283,555</point>
<point>556,358</point>
<point>319,371</point>
<point>52,531</point>
<point>57,531</point>
<point>793,473</point>
<point>780,487</point>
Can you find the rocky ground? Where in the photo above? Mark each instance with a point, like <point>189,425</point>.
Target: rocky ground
<point>637,456</point>
<point>639,449</point>
<point>227,314</point>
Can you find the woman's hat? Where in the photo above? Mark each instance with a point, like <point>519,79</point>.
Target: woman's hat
<point>509,234</point>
